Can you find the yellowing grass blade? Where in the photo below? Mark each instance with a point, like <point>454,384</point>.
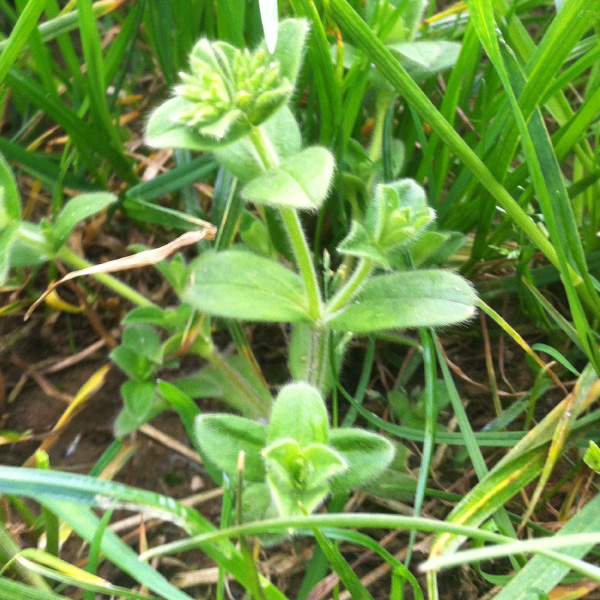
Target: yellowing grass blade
<point>87,390</point>
<point>521,465</point>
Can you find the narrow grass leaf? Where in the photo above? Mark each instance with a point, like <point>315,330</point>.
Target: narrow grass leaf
<point>519,467</point>
<point>158,23</point>
<point>85,524</point>
<point>41,60</point>
<point>566,327</point>
<point>197,169</point>
<point>188,411</point>
<point>352,521</point>
<point>96,76</point>
<point>230,21</point>
<point>87,390</point>
<point>66,22</point>
<point>544,171</point>
<point>354,537</point>
<point>521,547</point>
<point>147,212</point>
<point>545,574</point>
<point>40,167</point>
<point>13,590</point>
<point>55,568</point>
<point>431,394</point>
<point>117,63</point>
<point>323,72</point>
<point>501,517</point>
<point>64,493</point>
<point>83,136</point>
<point>338,563</point>
<point>9,549</point>
<point>397,76</point>
<point>19,35</point>
<point>10,199</point>
<point>557,356</point>
<point>94,553</point>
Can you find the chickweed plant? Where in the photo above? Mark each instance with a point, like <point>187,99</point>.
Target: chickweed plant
<point>369,173</point>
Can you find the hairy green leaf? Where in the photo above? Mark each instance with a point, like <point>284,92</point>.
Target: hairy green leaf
<point>10,201</point>
<point>431,298</point>
<point>366,454</point>
<point>592,456</point>
<point>299,413</point>
<point>165,131</point>
<point>240,285</point>
<point>290,45</point>
<point>7,239</point>
<point>302,181</point>
<point>222,437</point>
<point>284,139</point>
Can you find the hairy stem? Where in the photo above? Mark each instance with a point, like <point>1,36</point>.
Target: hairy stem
<point>364,267</point>
<point>319,343</point>
<point>318,359</point>
<point>293,226</point>
<point>304,261</point>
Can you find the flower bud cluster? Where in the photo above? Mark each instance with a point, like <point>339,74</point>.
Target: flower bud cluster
<point>403,224</point>
<point>228,89</point>
<point>396,216</point>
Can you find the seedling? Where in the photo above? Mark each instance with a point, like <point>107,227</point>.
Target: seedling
<point>293,463</point>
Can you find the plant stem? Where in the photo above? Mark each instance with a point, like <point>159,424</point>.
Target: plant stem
<point>304,261</point>
<point>74,260</point>
<point>364,267</point>
<point>382,100</point>
<point>263,149</point>
<point>292,223</point>
<point>318,358</point>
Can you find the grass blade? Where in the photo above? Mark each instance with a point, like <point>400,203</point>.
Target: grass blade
<point>64,493</point>
<point>19,35</point>
<point>96,78</point>
<point>430,392</point>
<point>85,524</point>
<point>13,590</point>
<point>545,174</point>
<point>84,136</point>
<point>347,576</point>
<point>544,574</point>
<point>67,22</point>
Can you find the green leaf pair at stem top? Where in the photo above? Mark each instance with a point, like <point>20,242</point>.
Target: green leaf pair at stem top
<point>293,463</point>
